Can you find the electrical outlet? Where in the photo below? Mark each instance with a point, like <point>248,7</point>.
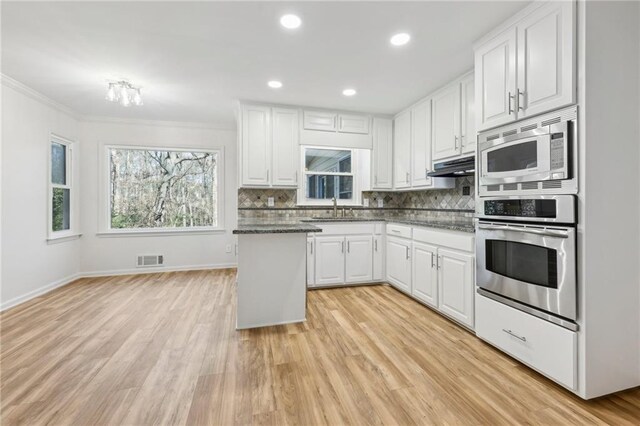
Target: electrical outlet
<point>380,203</point>
<point>271,202</point>
<point>466,190</point>
<point>366,202</point>
<point>228,248</point>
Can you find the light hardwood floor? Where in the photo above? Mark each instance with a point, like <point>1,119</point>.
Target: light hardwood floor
<point>162,349</point>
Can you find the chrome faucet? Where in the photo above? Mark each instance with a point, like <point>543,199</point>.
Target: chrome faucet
<point>335,207</point>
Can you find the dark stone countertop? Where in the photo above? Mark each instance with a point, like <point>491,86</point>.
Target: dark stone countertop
<point>276,228</point>
<point>439,224</point>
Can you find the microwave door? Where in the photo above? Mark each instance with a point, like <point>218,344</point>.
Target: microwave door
<point>520,160</point>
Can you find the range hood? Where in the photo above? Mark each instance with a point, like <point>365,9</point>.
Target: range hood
<point>454,168</point>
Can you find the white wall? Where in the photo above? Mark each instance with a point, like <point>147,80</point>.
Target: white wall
<point>29,264</point>
<point>102,255</point>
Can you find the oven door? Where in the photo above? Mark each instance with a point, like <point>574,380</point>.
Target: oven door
<point>535,265</point>
<point>523,157</point>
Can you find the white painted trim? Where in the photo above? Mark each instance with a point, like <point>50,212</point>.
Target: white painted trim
<point>160,232</point>
<point>133,271</point>
<point>35,95</point>
<point>39,292</point>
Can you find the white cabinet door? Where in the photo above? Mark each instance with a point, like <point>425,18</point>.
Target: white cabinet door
<point>446,122</point>
<point>468,135</point>
<point>329,260</point>
<point>421,144</point>
<point>359,259</point>
<point>399,263</point>
<point>456,285</point>
<point>495,80</point>
<point>424,273</point>
<point>311,261</point>
<point>402,150</point>
<point>349,123</point>
<point>382,155</point>
<point>256,145</point>
<point>378,258</point>
<point>320,120</point>
<point>285,147</point>
<point>546,60</point>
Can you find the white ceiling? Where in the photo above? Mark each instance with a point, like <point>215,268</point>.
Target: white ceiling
<point>195,59</point>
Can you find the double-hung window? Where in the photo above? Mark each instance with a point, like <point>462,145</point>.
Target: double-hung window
<point>328,174</point>
<point>61,191</point>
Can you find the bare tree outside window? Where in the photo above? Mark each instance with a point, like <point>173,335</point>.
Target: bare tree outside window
<point>162,188</point>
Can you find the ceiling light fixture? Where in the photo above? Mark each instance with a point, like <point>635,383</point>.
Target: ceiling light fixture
<point>124,93</point>
<point>400,39</point>
<point>290,22</point>
<point>349,92</point>
<point>275,84</point>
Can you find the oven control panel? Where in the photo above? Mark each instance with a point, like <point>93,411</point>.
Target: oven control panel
<point>520,208</point>
<point>534,208</point>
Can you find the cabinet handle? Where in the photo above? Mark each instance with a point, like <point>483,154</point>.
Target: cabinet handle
<point>343,246</point>
<point>267,175</point>
<point>432,264</point>
<point>407,181</point>
<point>407,249</point>
<point>520,107</point>
<point>311,247</point>
<point>348,246</point>
<point>438,262</point>
<point>511,111</point>
<point>375,245</point>
<point>375,180</point>
<point>511,333</point>
<point>296,176</point>
<point>455,142</point>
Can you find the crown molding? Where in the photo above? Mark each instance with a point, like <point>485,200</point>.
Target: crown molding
<point>34,94</point>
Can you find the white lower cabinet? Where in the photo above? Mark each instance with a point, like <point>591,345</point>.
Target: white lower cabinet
<point>378,258</point>
<point>455,277</point>
<point>546,347</point>
<point>399,263</point>
<point>359,259</point>
<point>329,257</point>
<point>424,273</point>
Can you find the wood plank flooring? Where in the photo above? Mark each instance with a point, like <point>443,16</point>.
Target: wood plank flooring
<point>163,349</point>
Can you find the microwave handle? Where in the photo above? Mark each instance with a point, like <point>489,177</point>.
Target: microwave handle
<point>543,232</point>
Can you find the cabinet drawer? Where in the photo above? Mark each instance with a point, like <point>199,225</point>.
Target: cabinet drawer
<point>546,347</point>
<point>445,238</point>
<point>399,230</point>
<point>320,120</point>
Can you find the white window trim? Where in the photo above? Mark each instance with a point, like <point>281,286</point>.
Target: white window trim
<point>355,172</point>
<point>104,209</point>
<point>71,233</point>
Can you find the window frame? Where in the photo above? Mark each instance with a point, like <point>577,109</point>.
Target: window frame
<point>72,232</point>
<point>355,199</point>
<point>105,228</point>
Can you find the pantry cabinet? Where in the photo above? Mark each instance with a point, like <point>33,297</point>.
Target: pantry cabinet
<point>527,68</point>
<point>382,154</point>
<point>269,146</point>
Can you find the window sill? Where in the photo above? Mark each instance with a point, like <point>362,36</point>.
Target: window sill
<point>63,238</point>
<point>159,232</point>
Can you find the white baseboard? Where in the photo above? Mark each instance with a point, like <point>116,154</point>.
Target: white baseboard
<point>39,292</point>
<point>133,271</point>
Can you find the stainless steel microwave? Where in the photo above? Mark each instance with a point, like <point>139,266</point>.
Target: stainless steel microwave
<point>534,158</point>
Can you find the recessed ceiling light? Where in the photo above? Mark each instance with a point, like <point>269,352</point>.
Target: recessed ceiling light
<point>349,92</point>
<point>275,84</point>
<point>290,21</point>
<point>400,39</point>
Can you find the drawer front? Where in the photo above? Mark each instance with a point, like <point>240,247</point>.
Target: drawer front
<point>399,230</point>
<point>347,228</point>
<point>546,347</point>
<point>445,238</point>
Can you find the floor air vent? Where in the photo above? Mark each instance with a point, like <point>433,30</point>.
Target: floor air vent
<point>150,260</point>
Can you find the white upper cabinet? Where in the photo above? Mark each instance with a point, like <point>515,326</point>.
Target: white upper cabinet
<point>382,155</point>
<point>495,75</point>
<point>359,258</point>
<point>255,145</point>
<point>320,120</point>
<point>421,144</point>
<point>456,291</point>
<point>446,122</point>
<point>285,147</point>
<point>468,135</point>
<point>424,273</point>
<point>546,59</point>
<point>402,150</point>
<point>269,146</point>
<point>529,67</point>
<point>350,123</point>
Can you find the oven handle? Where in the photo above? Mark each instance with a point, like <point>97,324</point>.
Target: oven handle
<point>543,232</point>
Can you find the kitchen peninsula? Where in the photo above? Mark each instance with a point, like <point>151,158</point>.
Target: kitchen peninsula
<point>272,281</point>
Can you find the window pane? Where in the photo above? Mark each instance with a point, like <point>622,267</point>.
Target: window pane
<point>328,160</point>
<point>58,163</point>
<point>162,189</point>
<point>325,187</point>
<point>61,209</point>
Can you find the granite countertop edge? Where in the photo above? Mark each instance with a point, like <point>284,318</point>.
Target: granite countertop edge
<point>469,228</point>
<point>276,229</point>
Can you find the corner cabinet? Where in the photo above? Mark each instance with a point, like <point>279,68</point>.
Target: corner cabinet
<point>269,146</point>
<point>382,154</point>
<point>527,68</point>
